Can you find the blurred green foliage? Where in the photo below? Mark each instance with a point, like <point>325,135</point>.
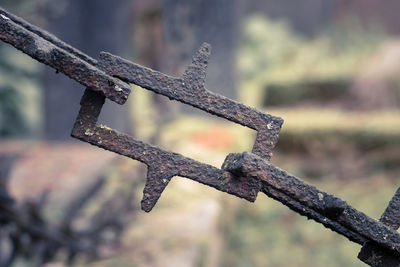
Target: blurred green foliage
<point>11,119</point>
<point>354,155</point>
<point>272,58</point>
<point>19,94</point>
<point>376,128</point>
<point>268,234</point>
<point>272,53</point>
<point>321,91</point>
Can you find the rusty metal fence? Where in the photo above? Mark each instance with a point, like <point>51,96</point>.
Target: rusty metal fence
<point>243,175</point>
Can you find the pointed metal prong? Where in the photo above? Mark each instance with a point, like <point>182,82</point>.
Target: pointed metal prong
<point>372,253</point>
<point>155,185</point>
<point>195,74</point>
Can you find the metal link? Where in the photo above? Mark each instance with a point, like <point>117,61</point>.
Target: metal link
<point>354,224</point>
<point>377,256</point>
<point>48,50</point>
<point>243,175</point>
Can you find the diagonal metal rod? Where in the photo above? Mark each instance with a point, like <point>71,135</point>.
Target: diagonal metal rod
<point>377,256</point>
<point>162,164</point>
<point>49,50</point>
<point>243,175</point>
<point>285,187</point>
<point>189,89</point>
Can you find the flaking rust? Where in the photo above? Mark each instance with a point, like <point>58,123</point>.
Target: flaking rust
<point>242,175</point>
<point>51,51</point>
<point>163,165</point>
<point>329,210</point>
<point>375,255</point>
<point>190,89</point>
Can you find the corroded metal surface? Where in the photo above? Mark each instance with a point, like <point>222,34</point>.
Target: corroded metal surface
<point>358,226</point>
<point>162,164</point>
<point>189,89</point>
<point>375,255</point>
<point>48,50</point>
<point>243,175</point>
<point>391,216</point>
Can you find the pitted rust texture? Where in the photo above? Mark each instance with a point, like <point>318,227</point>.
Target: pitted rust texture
<point>48,50</point>
<point>243,175</point>
<point>189,89</point>
<point>304,210</point>
<point>162,165</point>
<point>378,256</point>
<point>47,36</point>
<point>391,216</point>
<point>284,187</point>
<point>375,255</point>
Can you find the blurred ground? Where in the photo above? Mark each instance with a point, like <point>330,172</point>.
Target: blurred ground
<point>339,94</point>
<point>193,225</point>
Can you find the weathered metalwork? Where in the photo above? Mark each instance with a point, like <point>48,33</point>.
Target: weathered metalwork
<point>189,89</point>
<point>49,50</point>
<point>163,165</point>
<point>358,226</point>
<point>377,256</point>
<point>243,175</point>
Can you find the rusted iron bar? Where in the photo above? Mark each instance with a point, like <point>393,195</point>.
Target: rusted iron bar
<point>48,36</point>
<point>304,210</point>
<point>189,89</point>
<point>49,50</point>
<point>162,164</point>
<point>326,205</point>
<point>391,216</point>
<point>377,256</point>
<point>242,175</point>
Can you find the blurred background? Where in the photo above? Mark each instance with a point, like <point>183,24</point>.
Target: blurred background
<point>329,68</point>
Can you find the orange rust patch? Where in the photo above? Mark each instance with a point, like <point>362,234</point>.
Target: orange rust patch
<point>216,138</point>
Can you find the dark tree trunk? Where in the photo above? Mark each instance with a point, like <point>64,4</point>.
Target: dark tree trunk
<point>91,26</point>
